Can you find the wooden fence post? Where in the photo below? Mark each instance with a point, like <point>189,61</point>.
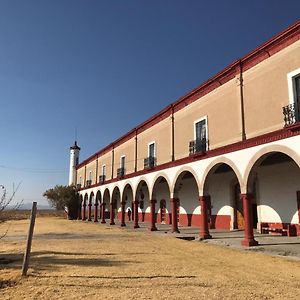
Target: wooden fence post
<point>29,239</point>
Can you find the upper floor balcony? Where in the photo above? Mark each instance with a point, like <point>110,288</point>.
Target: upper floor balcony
<point>88,183</point>
<point>291,115</point>
<point>120,172</point>
<point>102,179</point>
<point>198,146</point>
<point>149,162</point>
<point>78,186</point>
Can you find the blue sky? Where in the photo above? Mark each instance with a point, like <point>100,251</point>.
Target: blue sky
<point>106,66</point>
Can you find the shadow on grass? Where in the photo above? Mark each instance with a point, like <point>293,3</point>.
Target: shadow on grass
<point>121,277</point>
<point>50,260</point>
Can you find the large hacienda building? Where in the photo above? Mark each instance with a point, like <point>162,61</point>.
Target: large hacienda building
<point>225,156</point>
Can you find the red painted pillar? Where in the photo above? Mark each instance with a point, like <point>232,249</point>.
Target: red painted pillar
<point>136,214</point>
<point>123,213</point>
<point>247,208</point>
<point>103,213</point>
<point>204,231</point>
<point>96,212</point>
<point>298,205</point>
<point>90,212</point>
<point>112,222</point>
<point>152,206</point>
<point>174,203</point>
<point>83,211</point>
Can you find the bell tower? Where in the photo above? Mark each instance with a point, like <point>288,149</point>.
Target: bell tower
<point>74,161</point>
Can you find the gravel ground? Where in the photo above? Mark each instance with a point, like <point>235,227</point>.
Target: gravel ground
<point>74,260</point>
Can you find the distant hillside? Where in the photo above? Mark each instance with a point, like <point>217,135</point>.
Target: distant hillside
<point>28,206</point>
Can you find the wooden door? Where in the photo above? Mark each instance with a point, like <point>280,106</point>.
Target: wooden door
<point>238,209</point>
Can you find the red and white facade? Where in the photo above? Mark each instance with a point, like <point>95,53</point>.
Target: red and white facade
<point>225,156</point>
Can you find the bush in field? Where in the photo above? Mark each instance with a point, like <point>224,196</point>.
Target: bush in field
<point>63,197</point>
<point>6,200</point>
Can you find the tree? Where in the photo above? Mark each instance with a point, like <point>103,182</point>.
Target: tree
<point>5,201</point>
<point>63,197</point>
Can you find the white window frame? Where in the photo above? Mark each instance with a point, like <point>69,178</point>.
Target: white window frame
<point>90,175</point>
<point>291,85</point>
<point>153,142</point>
<point>121,161</point>
<point>104,169</point>
<point>80,180</point>
<point>206,131</point>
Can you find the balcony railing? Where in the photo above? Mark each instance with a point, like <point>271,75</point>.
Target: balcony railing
<point>88,182</point>
<point>78,186</point>
<point>197,146</point>
<point>290,114</point>
<point>149,162</point>
<point>120,172</point>
<point>102,179</point>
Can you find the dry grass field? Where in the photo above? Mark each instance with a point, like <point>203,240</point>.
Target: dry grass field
<point>80,260</point>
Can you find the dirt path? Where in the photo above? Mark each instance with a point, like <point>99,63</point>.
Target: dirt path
<point>76,260</point>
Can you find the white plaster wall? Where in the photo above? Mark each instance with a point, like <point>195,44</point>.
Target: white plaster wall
<point>189,197</point>
<point>221,193</point>
<point>276,195</point>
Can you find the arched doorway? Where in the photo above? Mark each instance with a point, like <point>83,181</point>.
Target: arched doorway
<point>161,193</point>
<point>187,194</point>
<point>97,209</point>
<point>115,205</point>
<point>274,183</point>
<point>127,197</point>
<point>106,205</point>
<point>141,205</point>
<point>223,193</point>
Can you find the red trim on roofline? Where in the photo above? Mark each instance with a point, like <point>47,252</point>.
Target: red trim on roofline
<point>269,48</point>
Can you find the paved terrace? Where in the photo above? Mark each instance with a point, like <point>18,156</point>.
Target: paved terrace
<point>270,244</point>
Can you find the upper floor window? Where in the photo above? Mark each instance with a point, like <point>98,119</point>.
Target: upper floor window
<point>200,142</point>
<point>292,111</point>
<point>104,170</point>
<point>121,170</point>
<point>151,149</point>
<point>122,162</point>
<point>201,133</point>
<point>150,161</point>
<point>89,180</point>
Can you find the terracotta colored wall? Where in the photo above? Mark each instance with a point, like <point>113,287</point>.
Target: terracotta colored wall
<point>266,91</point>
<point>127,149</point>
<point>161,134</point>
<point>222,108</point>
<point>105,159</point>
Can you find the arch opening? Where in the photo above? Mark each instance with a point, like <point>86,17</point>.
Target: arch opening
<point>142,196</point>
<point>274,183</point>
<point>186,192</point>
<point>161,193</point>
<point>127,197</point>
<point>224,205</point>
